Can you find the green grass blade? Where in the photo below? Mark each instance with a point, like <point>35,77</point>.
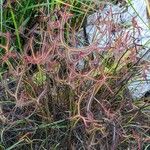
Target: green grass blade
<point>16,27</point>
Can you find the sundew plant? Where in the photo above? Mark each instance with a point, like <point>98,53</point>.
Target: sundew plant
<point>62,89</point>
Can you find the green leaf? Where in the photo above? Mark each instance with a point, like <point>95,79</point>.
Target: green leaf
<point>39,78</point>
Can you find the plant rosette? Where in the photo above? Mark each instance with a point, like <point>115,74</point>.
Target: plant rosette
<point>39,78</point>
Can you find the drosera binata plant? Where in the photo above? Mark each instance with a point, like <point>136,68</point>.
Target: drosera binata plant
<point>57,99</point>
